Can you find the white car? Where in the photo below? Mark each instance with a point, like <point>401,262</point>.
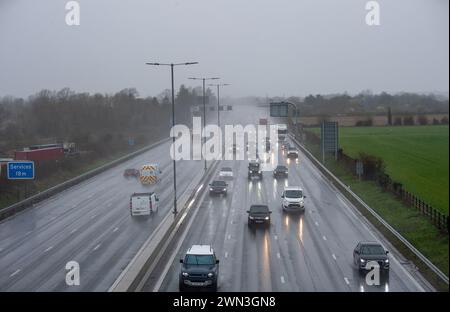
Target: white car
<point>226,172</point>
<point>293,199</point>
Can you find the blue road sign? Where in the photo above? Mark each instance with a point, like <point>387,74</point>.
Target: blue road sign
<point>20,170</point>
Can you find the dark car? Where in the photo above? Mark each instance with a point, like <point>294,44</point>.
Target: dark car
<point>259,214</point>
<point>366,252</point>
<point>218,187</point>
<point>131,173</point>
<point>254,169</point>
<point>285,146</point>
<point>280,171</point>
<point>199,268</point>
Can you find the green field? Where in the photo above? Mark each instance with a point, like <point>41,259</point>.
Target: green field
<point>416,156</point>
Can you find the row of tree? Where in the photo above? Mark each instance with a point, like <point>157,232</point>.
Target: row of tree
<point>366,102</point>
<point>95,122</point>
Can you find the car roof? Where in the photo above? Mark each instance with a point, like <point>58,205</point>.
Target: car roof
<point>226,169</point>
<point>293,188</point>
<point>200,250</point>
<point>370,243</point>
<point>218,181</point>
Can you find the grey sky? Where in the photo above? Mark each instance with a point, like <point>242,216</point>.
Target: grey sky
<point>261,47</point>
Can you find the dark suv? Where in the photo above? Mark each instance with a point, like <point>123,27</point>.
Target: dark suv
<point>199,268</point>
<point>366,252</point>
<point>254,169</point>
<point>218,187</point>
<point>259,214</point>
<point>280,171</point>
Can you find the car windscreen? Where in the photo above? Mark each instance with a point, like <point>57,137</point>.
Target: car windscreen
<point>226,169</point>
<point>219,183</point>
<point>199,260</point>
<point>259,209</point>
<point>293,194</point>
<point>372,250</point>
<point>281,168</point>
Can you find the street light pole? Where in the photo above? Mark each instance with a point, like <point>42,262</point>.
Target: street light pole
<point>218,98</point>
<point>204,106</point>
<point>175,211</point>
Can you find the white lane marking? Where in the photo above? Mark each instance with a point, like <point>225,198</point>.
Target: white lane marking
<point>310,211</point>
<point>347,281</point>
<point>278,255</point>
<point>73,231</point>
<point>90,196</point>
<point>115,229</point>
<point>229,236</point>
<point>109,204</point>
<point>317,223</point>
<point>226,254</point>
<point>224,215</point>
<point>15,273</point>
<point>276,237</point>
<point>48,249</point>
<point>74,206</point>
<point>282,279</point>
<point>93,216</point>
<point>28,233</point>
<point>334,256</point>
<point>324,238</point>
<point>97,247</point>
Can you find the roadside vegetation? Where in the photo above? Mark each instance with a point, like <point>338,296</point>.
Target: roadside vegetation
<point>416,156</point>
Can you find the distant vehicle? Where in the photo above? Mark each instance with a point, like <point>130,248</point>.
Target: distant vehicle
<point>218,187</point>
<point>282,132</point>
<point>366,252</point>
<point>199,268</point>
<point>285,146</point>
<point>226,172</point>
<point>131,173</point>
<point>259,214</point>
<point>263,121</point>
<point>293,199</point>
<point>143,204</point>
<point>292,152</point>
<point>149,173</point>
<point>254,169</point>
<point>280,171</point>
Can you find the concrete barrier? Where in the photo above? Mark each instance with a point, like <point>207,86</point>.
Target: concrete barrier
<point>28,202</point>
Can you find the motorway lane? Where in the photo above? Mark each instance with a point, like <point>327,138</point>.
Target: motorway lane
<point>89,223</point>
<point>307,252</point>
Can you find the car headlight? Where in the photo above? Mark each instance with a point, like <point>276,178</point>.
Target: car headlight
<point>185,274</point>
<point>224,189</point>
<point>250,217</point>
<point>211,189</point>
<point>266,218</point>
<point>386,261</point>
<point>210,274</point>
<point>362,260</point>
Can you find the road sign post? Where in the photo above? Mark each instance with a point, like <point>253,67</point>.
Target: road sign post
<point>359,169</point>
<point>329,138</point>
<point>20,170</point>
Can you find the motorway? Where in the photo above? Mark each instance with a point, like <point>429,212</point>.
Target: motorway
<point>89,223</point>
<point>307,252</point>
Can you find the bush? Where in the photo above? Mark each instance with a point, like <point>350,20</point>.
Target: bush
<point>422,120</point>
<point>444,120</point>
<point>364,123</point>
<point>373,166</point>
<point>398,121</point>
<point>408,121</point>
<point>435,121</point>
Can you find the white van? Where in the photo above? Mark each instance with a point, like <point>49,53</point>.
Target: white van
<point>143,204</point>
